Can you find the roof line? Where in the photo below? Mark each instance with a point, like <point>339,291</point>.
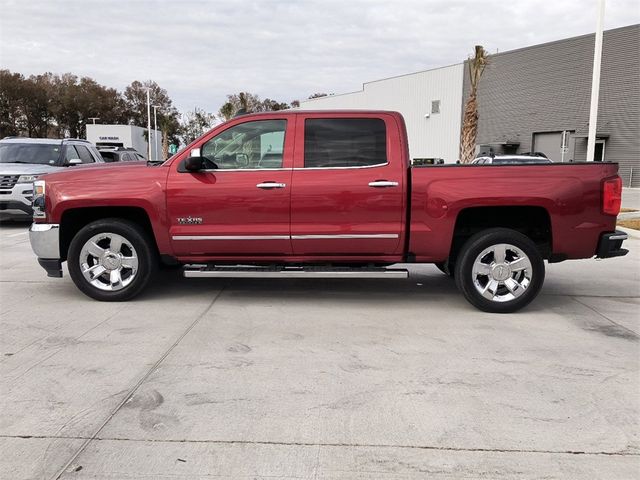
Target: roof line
<point>384,79</point>
<point>551,42</point>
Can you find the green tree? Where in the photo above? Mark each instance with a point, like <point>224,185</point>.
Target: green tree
<point>12,115</point>
<point>135,99</point>
<point>249,103</point>
<point>194,124</point>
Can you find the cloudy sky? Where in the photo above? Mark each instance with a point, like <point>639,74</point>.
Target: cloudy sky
<point>281,49</point>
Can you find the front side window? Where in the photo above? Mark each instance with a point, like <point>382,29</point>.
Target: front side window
<point>257,144</point>
<point>344,142</point>
<point>71,153</point>
<point>85,156</point>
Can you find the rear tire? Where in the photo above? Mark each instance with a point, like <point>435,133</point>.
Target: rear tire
<point>499,270</point>
<point>111,260</point>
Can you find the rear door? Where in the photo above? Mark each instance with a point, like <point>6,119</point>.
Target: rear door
<point>348,185</point>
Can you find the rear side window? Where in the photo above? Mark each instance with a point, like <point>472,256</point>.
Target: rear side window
<point>85,156</point>
<point>108,156</point>
<point>344,142</point>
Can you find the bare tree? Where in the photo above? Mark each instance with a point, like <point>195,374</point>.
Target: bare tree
<point>469,131</point>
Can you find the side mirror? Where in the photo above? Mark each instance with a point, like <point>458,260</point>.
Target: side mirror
<point>74,161</point>
<point>194,164</point>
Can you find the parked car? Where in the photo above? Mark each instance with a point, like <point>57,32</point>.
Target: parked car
<point>323,194</point>
<point>511,159</point>
<point>121,154</point>
<point>23,160</point>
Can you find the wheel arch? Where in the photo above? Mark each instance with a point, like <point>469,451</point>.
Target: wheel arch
<point>73,220</point>
<point>532,221</point>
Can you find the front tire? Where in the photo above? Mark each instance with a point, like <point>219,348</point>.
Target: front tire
<point>111,260</point>
<point>499,270</point>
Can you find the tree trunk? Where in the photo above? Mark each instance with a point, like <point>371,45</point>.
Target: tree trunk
<point>165,145</point>
<point>469,129</point>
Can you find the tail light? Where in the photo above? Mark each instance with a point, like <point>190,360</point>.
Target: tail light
<point>611,195</point>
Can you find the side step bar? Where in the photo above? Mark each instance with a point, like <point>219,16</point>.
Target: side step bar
<point>248,271</point>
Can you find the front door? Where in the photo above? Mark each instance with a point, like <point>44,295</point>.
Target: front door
<point>348,190</point>
<point>240,204</point>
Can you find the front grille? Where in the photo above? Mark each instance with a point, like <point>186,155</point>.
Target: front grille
<point>8,181</point>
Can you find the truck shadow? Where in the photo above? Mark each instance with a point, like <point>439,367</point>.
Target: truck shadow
<point>425,288</point>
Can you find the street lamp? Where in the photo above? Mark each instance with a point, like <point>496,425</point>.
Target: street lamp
<point>155,131</point>
<point>94,119</point>
<point>148,124</point>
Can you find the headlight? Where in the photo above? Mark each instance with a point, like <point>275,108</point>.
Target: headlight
<point>27,178</point>
<point>39,199</point>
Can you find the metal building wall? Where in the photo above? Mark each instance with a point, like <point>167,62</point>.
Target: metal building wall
<point>437,136</point>
<point>546,88</point>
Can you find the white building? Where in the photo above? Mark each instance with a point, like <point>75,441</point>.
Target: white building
<point>430,101</point>
<point>125,136</point>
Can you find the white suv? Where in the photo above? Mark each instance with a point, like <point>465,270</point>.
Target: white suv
<point>23,160</point>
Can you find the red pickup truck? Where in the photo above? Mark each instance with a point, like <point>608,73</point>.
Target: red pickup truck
<point>323,194</point>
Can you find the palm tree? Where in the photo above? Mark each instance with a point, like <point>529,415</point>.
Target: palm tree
<point>469,131</point>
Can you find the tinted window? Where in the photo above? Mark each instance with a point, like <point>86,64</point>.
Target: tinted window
<point>38,153</point>
<point>109,156</point>
<point>344,142</point>
<point>85,156</point>
<point>258,144</point>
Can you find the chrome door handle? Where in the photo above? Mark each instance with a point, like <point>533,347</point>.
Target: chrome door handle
<point>270,185</point>
<point>382,184</point>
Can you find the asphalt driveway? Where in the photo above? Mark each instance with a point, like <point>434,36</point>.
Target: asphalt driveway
<point>318,379</point>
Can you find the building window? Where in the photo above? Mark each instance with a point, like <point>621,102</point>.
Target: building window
<point>598,154</point>
<point>435,106</point>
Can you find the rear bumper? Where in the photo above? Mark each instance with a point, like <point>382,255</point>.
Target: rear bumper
<point>45,242</point>
<point>610,245</point>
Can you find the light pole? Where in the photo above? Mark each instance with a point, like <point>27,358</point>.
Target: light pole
<point>148,125</point>
<point>595,83</point>
<point>94,119</point>
<point>155,131</point>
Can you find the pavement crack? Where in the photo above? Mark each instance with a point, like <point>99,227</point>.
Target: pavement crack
<point>132,391</point>
<point>325,444</point>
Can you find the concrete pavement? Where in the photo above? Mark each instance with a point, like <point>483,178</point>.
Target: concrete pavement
<point>318,379</point>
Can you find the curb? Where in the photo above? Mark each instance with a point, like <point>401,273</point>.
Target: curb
<point>629,231</point>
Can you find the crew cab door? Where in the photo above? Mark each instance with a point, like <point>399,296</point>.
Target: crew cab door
<point>348,185</point>
<point>238,205</point>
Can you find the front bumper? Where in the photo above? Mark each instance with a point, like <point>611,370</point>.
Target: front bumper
<point>45,242</point>
<point>610,245</point>
<point>17,201</point>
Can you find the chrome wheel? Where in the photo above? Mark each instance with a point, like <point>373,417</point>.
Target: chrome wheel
<point>502,272</point>
<point>108,261</point>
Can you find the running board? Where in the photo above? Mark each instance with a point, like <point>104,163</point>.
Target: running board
<point>248,271</point>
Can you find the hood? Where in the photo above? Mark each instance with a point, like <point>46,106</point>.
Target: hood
<point>27,169</point>
<point>100,170</point>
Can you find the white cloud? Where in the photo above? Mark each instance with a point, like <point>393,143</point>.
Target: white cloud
<point>201,50</point>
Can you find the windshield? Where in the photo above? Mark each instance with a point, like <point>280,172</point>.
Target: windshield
<point>36,153</point>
